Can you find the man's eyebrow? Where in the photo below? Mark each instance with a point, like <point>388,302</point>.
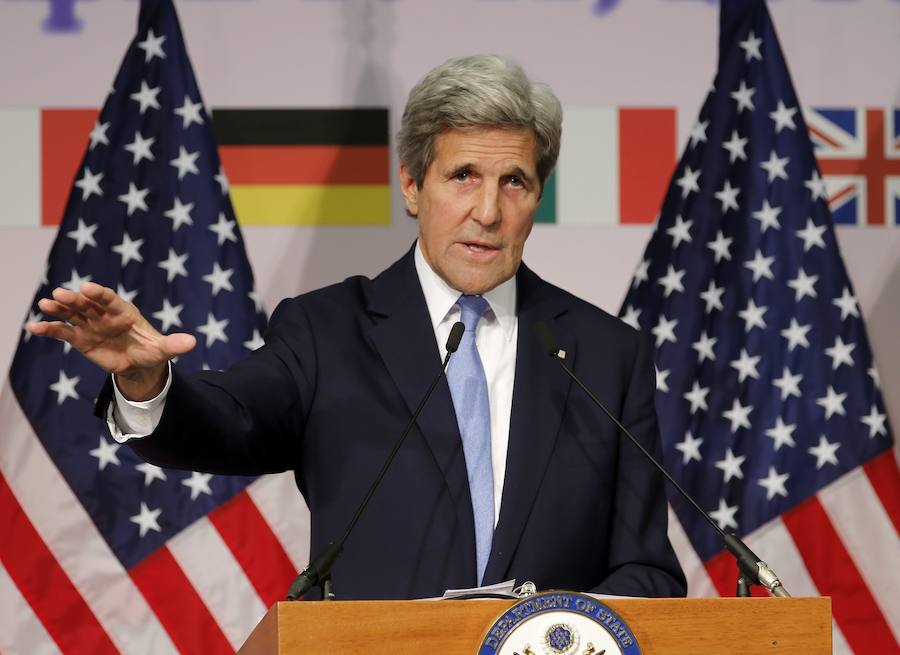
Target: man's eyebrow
<point>518,172</point>
<point>515,171</point>
<point>452,169</point>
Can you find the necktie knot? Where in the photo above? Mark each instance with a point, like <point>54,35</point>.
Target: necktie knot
<point>472,308</point>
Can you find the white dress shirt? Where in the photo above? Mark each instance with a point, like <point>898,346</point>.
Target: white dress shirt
<point>496,338</point>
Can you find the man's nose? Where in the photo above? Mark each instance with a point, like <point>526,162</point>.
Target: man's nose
<point>487,205</point>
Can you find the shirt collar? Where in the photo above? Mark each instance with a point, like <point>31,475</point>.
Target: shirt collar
<point>441,297</point>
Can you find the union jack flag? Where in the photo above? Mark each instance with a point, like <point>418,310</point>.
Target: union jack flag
<point>859,156</point>
<point>103,553</point>
<point>768,398</point>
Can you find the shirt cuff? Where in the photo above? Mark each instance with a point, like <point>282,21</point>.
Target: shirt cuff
<point>129,419</point>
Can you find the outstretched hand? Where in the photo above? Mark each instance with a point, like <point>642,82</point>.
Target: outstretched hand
<point>113,334</point>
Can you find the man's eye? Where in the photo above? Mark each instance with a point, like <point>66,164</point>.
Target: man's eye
<point>515,181</point>
<point>461,176</point>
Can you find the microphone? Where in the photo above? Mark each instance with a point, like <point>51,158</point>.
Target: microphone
<point>318,573</point>
<point>752,568</point>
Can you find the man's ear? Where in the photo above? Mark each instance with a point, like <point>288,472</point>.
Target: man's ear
<point>410,190</point>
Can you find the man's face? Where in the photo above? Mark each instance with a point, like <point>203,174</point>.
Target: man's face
<point>476,205</point>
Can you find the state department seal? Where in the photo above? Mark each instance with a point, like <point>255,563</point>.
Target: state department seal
<point>559,623</point>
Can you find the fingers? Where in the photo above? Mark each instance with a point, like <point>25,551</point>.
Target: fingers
<point>178,344</point>
<point>94,301</point>
<point>103,297</point>
<point>57,309</point>
<point>78,302</point>
<point>54,330</point>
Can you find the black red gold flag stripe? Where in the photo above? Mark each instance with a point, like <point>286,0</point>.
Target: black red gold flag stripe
<point>306,166</point>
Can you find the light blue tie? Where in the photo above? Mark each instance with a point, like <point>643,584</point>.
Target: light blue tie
<point>468,387</point>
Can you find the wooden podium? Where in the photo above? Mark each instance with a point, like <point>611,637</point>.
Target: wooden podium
<point>456,627</point>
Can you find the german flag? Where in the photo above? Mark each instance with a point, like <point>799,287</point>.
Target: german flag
<point>306,166</point>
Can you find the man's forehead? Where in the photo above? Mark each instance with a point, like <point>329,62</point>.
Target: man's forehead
<point>491,145</point>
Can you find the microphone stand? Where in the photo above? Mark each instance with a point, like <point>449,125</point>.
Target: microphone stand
<point>318,573</point>
<point>752,570</point>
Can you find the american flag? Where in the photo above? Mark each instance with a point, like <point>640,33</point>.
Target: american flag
<point>767,393</point>
<point>103,553</point>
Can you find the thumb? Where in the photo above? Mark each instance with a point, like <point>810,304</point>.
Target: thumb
<point>178,344</point>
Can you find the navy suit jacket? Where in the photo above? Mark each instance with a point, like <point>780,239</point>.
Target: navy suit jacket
<point>341,372</point>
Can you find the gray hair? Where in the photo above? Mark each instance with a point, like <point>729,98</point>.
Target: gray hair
<point>476,92</point>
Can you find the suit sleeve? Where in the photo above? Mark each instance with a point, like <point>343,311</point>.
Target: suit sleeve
<point>641,559</point>
<point>248,420</point>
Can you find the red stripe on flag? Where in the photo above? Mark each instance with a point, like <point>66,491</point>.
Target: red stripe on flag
<point>322,164</point>
<point>64,139</point>
<point>256,548</point>
<point>822,136</point>
<point>835,574</point>
<point>646,161</point>
<point>723,572</point>
<point>840,195</point>
<point>884,474</point>
<point>44,585</point>
<point>178,605</point>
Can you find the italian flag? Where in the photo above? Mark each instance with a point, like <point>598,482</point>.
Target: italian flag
<point>614,166</point>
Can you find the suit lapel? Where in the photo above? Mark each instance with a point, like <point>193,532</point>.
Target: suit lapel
<point>539,399</point>
<point>404,338</point>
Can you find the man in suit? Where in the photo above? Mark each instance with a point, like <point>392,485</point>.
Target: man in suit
<point>509,472</point>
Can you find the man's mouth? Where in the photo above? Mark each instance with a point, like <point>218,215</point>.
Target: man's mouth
<point>480,246</point>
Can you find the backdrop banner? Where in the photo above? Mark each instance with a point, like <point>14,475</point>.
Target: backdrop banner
<point>304,98</point>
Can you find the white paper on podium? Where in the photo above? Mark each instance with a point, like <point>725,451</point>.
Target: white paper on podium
<point>500,588</point>
<point>507,589</point>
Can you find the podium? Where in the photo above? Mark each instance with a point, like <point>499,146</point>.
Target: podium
<point>672,626</point>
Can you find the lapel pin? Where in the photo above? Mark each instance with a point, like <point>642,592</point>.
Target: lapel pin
<point>561,353</point>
